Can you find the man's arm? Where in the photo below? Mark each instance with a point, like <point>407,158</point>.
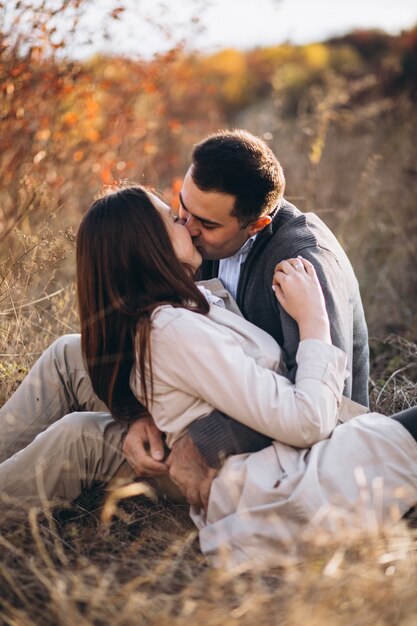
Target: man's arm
<point>196,458</point>
<point>218,436</point>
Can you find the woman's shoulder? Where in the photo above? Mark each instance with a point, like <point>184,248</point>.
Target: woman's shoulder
<point>177,326</point>
<point>168,315</point>
<point>171,323</point>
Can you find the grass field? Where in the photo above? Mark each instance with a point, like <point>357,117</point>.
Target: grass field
<point>347,144</point>
<point>66,568</point>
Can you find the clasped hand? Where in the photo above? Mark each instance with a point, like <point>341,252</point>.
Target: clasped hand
<point>144,450</point>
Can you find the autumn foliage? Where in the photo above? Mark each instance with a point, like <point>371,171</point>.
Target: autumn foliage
<point>69,126</point>
<point>340,115</point>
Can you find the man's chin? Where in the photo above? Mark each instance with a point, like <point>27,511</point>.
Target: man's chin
<point>208,255</point>
<point>203,253</point>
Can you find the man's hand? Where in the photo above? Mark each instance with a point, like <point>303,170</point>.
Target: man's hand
<point>143,448</point>
<point>189,471</point>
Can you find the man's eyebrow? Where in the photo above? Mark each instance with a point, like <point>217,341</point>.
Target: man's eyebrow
<point>201,219</point>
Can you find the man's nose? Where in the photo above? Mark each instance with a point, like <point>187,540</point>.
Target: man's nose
<point>191,223</point>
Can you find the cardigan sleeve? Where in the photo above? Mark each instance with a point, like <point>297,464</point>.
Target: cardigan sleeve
<point>197,359</point>
<point>347,326</point>
<point>218,436</point>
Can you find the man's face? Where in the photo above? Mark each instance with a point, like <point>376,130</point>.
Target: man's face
<point>215,232</point>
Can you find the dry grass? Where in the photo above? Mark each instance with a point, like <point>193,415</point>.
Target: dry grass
<point>66,568</point>
<point>394,374</point>
<point>146,569</point>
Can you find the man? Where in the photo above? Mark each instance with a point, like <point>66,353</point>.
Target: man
<point>232,204</point>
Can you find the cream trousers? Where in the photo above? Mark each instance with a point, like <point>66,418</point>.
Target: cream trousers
<point>57,437</point>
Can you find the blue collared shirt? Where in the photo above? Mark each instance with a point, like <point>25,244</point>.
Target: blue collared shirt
<point>229,269</point>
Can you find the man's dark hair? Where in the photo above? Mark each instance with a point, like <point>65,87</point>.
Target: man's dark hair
<point>242,165</point>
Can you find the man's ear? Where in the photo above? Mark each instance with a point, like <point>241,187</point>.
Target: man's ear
<point>259,224</point>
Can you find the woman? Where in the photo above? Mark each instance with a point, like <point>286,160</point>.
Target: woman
<point>144,321</point>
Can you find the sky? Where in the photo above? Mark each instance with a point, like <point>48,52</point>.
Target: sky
<point>260,22</point>
<point>144,27</point>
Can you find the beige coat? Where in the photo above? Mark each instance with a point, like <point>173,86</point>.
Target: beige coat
<point>262,504</point>
<point>222,361</point>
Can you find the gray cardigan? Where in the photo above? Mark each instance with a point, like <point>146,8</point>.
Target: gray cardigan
<point>291,233</point>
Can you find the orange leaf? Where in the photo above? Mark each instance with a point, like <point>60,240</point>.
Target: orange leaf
<point>92,134</point>
<point>70,118</point>
<point>115,14</point>
<point>106,176</point>
<point>92,106</point>
<point>150,148</point>
<point>176,185</point>
<point>175,126</point>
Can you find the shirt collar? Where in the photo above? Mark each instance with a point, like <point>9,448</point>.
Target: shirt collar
<point>246,248</point>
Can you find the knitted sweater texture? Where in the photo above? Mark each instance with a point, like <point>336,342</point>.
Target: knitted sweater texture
<point>291,233</point>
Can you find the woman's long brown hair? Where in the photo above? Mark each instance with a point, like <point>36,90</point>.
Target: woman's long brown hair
<point>126,267</point>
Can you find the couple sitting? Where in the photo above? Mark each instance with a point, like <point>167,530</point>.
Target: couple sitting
<point>247,407</point>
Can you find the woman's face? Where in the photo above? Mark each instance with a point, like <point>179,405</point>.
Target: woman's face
<point>180,237</point>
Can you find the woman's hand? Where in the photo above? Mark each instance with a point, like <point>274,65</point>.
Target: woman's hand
<point>298,291</point>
